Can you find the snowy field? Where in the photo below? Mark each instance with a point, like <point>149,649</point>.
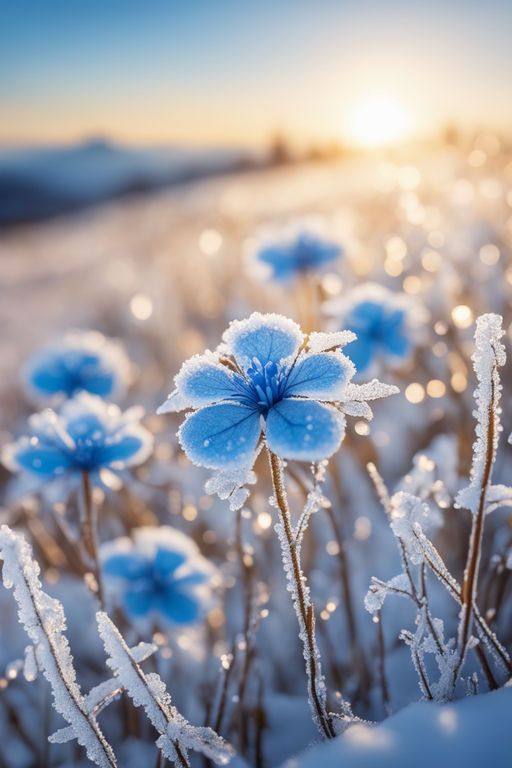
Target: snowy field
<point>387,503</point>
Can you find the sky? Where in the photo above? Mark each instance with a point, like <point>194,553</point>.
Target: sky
<point>242,71</point>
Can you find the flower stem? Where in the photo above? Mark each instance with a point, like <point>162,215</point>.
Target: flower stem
<point>470,582</point>
<point>90,532</point>
<point>302,603</point>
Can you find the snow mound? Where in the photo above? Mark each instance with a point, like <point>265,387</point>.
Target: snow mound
<point>472,732</point>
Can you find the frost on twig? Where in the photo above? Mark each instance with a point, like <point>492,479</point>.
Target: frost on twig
<point>290,541</point>
<point>176,735</point>
<point>407,515</point>
<point>489,355</point>
<point>43,619</point>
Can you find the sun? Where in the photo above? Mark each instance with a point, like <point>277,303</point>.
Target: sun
<point>377,122</point>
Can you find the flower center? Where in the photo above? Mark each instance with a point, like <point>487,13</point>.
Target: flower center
<point>268,383</point>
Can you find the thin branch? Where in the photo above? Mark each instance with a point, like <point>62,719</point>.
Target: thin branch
<point>302,601</point>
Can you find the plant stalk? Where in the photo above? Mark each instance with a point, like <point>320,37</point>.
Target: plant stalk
<point>302,603</point>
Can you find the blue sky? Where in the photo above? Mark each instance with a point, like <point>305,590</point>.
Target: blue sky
<point>236,70</point>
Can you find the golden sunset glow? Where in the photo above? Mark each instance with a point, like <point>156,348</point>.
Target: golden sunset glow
<point>378,121</point>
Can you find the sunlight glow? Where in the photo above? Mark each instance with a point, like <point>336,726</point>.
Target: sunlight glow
<point>379,121</point>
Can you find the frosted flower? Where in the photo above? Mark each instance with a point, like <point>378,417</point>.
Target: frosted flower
<point>263,379</point>
<point>160,572</point>
<point>380,319</point>
<point>87,435</point>
<point>80,360</point>
<point>298,250</point>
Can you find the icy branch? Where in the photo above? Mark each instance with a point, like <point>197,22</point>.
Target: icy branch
<point>488,356</point>
<point>43,619</point>
<point>176,735</point>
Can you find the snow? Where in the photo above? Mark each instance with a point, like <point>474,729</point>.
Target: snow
<point>472,732</point>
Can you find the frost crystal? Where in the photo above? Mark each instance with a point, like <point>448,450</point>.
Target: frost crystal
<point>177,735</point>
<point>489,355</point>
<point>230,485</point>
<point>45,623</point>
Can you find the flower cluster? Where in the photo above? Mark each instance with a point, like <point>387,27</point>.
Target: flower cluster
<point>158,573</point>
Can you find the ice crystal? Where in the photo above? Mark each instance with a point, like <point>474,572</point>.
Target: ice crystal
<point>43,619</point>
<point>489,355</point>
<point>176,735</point>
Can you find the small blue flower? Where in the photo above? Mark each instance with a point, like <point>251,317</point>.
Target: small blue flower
<point>81,360</point>
<point>379,320</point>
<point>298,253</point>
<point>160,572</point>
<point>264,378</point>
<point>87,435</point>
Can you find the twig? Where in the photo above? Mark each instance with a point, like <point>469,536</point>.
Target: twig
<point>89,526</point>
<point>302,601</point>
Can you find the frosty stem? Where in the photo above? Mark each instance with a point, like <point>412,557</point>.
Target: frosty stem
<point>89,531</point>
<point>302,602</point>
<point>470,582</point>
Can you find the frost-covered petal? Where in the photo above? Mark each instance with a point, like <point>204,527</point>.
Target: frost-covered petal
<point>177,606</point>
<point>138,601</point>
<point>268,338</point>
<point>321,376</point>
<point>120,451</point>
<point>192,579</point>
<point>221,436</point>
<point>202,380</point>
<point>303,430</point>
<point>166,562</point>
<point>35,457</point>
<point>79,361</point>
<point>127,565</point>
<point>319,341</point>
<point>361,351</point>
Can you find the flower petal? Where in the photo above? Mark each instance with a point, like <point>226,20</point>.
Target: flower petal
<point>192,579</point>
<point>361,352</point>
<point>138,602</point>
<point>397,343</point>
<point>322,376</point>
<point>202,381</point>
<point>221,436</point>
<point>304,430</point>
<point>35,457</point>
<point>178,607</point>
<point>264,337</point>
<point>120,451</point>
<point>166,562</point>
<point>127,565</point>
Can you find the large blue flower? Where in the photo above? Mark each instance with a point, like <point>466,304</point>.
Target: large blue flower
<point>302,252</point>
<point>81,360</point>
<point>160,572</point>
<point>87,435</point>
<point>264,378</point>
<point>379,320</point>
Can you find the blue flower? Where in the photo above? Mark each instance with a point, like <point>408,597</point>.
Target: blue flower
<point>298,253</point>
<point>379,320</point>
<point>263,379</point>
<point>160,572</point>
<point>81,360</point>
<point>87,435</point>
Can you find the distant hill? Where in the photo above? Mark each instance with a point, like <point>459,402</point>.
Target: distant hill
<point>37,183</point>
